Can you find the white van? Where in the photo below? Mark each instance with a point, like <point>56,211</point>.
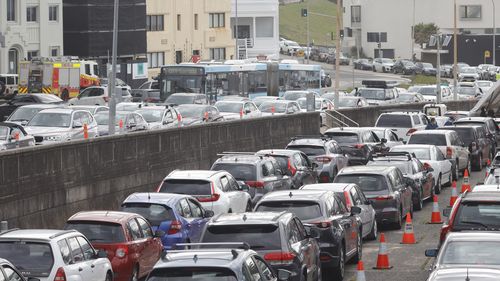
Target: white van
<point>10,81</point>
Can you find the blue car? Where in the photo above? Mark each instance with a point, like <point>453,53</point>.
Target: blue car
<point>180,216</point>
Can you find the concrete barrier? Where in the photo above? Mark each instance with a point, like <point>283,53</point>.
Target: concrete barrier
<point>41,187</point>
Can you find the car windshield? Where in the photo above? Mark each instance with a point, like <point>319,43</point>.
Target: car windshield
<point>46,119</point>
<point>240,171</point>
<point>259,101</point>
<point>471,215</point>
<point>4,132</point>
<point>471,252</point>
<point>406,97</point>
<point>387,61</point>
<point>270,107</point>
<point>367,183</point>
<point>31,258</point>
<point>394,121</point>
<point>420,153</point>
<point>24,114</point>
<point>414,89</point>
<point>427,91</point>
<point>103,118</point>
<point>180,99</point>
<point>343,138</point>
<point>186,186</point>
<point>154,213</point>
<point>192,274</point>
<point>231,107</point>
<point>190,111</point>
<point>98,232</point>
<point>303,103</point>
<point>309,150</point>
<point>248,233</point>
<point>294,95</point>
<point>347,102</point>
<point>465,134</point>
<point>404,166</point>
<point>468,70</point>
<point>304,210</point>
<point>433,139</point>
<point>372,94</point>
<point>151,115</point>
<point>469,91</point>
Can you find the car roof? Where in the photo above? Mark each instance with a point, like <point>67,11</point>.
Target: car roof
<point>185,94</point>
<point>250,218</point>
<point>426,146</point>
<point>461,272</point>
<point>240,158</point>
<point>41,105</point>
<point>192,174</point>
<point>489,196</point>
<point>473,236</point>
<point>308,141</point>
<point>204,258</point>
<point>336,187</point>
<point>476,119</point>
<point>347,129</point>
<point>34,234</point>
<point>366,170</point>
<point>168,199</point>
<point>486,187</point>
<point>279,101</point>
<point>294,195</point>
<point>401,113</point>
<point>278,152</point>
<point>103,216</point>
<point>59,110</point>
<point>432,132</point>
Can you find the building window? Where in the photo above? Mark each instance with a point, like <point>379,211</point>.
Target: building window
<point>264,27</point>
<point>374,36</point>
<point>216,20</point>
<point>355,14</point>
<point>13,61</point>
<point>54,51</point>
<point>154,23</point>
<point>156,60</point>
<point>11,10</point>
<point>217,53</point>
<point>195,21</point>
<point>53,13</point>
<point>470,11</point>
<point>31,14</point>
<point>178,22</point>
<point>32,54</point>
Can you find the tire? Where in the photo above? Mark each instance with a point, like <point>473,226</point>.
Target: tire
<point>359,249</point>
<point>339,271</point>
<point>420,203</point>
<point>450,179</point>
<point>135,274</point>
<point>373,234</point>
<point>437,187</point>
<point>399,223</point>
<point>109,277</point>
<point>479,164</point>
<point>249,207</point>
<point>384,70</point>
<point>229,211</point>
<point>65,95</point>
<point>456,171</point>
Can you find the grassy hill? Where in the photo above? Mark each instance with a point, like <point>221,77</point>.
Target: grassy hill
<point>294,27</point>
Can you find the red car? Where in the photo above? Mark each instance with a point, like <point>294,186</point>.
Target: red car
<point>132,247</point>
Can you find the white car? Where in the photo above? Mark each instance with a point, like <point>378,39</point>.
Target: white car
<point>289,47</point>
<point>279,107</point>
<point>402,123</point>
<point>160,117</point>
<point>430,93</point>
<point>321,105</point>
<point>217,191</point>
<point>23,114</point>
<point>235,110</point>
<point>487,187</point>
<point>48,255</point>
<point>98,95</point>
<point>432,156</point>
<point>484,85</point>
<point>61,124</point>
<point>383,65</point>
<point>378,96</point>
<point>450,145</point>
<point>468,74</point>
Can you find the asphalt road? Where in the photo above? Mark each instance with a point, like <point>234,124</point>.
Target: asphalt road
<point>408,261</point>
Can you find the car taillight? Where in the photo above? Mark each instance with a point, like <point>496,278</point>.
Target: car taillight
<point>323,224</point>
<point>347,200</point>
<point>121,252</point>
<point>324,159</point>
<point>291,168</point>
<point>279,257</point>
<point>255,184</point>
<point>209,198</point>
<point>359,145</point>
<point>449,152</point>
<point>106,99</point>
<point>384,197</point>
<point>411,131</point>
<point>60,275</point>
<point>175,227</point>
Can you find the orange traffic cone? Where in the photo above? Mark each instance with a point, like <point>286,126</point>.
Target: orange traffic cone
<point>120,124</point>
<point>360,276</point>
<point>408,235</point>
<point>454,194</point>
<point>436,215</point>
<point>179,119</point>
<point>205,116</point>
<point>241,113</point>
<point>273,110</point>
<point>85,131</point>
<point>465,183</point>
<point>383,257</point>
<point>488,164</point>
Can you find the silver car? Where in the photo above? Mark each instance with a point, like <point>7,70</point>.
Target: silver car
<point>125,122</point>
<point>160,117</point>
<point>61,124</point>
<point>98,95</point>
<point>13,136</point>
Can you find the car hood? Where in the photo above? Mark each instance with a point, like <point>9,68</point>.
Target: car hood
<point>388,64</point>
<point>191,121</point>
<point>230,115</point>
<point>458,272</point>
<point>47,130</point>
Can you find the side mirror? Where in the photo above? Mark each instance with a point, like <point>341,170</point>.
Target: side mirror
<point>355,210</point>
<point>284,275</point>
<point>431,253</point>
<point>313,233</point>
<point>102,254</point>
<point>314,165</point>
<point>208,214</point>
<point>446,212</point>
<point>159,233</point>
<point>248,111</point>
<point>77,124</point>
<point>383,140</point>
<point>243,186</point>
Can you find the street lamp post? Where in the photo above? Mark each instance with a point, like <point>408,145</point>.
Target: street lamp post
<point>112,78</point>
<point>494,33</point>
<point>455,51</point>
<point>237,55</point>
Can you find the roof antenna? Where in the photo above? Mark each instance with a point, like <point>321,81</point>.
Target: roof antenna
<point>290,194</point>
<point>467,277</point>
<point>244,217</point>
<point>195,258</point>
<point>149,197</point>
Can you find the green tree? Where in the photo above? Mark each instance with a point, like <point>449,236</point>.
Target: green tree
<point>423,32</point>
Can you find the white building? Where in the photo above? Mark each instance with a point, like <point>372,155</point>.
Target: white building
<point>258,27</point>
<point>29,28</point>
<point>363,20</point>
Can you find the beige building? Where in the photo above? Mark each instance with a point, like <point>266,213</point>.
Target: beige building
<point>180,30</point>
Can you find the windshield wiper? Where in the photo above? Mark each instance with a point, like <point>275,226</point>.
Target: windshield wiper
<point>476,223</point>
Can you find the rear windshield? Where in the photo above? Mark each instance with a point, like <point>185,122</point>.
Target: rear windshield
<point>420,153</point>
<point>367,183</point>
<point>404,166</point>
<point>372,94</point>
<point>154,213</point>
<point>434,139</point>
<point>282,161</point>
<point>394,121</point>
<point>241,172</point>
<point>474,215</point>
<point>308,150</point>
<point>251,234</point>
<point>190,187</point>
<point>344,137</point>
<point>32,259</point>
<point>305,210</point>
<point>294,95</point>
<point>192,273</point>
<point>465,134</point>
<point>99,232</point>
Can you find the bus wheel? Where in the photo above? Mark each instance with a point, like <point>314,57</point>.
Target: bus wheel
<point>65,95</point>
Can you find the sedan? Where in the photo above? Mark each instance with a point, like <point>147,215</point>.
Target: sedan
<point>279,107</point>
<point>410,97</point>
<point>14,136</point>
<point>24,99</point>
<point>234,110</point>
<point>160,117</point>
<point>125,122</point>
<point>195,114</point>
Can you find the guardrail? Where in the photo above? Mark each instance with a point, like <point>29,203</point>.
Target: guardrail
<point>341,120</point>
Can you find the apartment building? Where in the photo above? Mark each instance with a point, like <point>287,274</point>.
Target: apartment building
<point>29,28</point>
<point>187,31</point>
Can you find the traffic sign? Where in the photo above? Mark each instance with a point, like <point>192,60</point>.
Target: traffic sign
<point>487,54</point>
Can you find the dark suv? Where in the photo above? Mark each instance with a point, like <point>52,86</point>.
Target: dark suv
<point>326,155</point>
<point>295,163</point>
<point>358,143</point>
<point>262,174</point>
<point>280,238</point>
<point>492,130</point>
<point>340,229</point>
<point>404,67</point>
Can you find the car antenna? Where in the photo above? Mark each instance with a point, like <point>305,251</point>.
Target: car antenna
<point>195,258</point>
<point>149,197</point>
<point>290,194</point>
<point>467,277</point>
<point>244,217</point>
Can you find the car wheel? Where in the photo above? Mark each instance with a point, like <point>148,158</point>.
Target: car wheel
<point>229,211</point>
<point>109,277</point>
<point>437,188</point>
<point>384,70</point>
<point>359,249</point>
<point>339,270</point>
<point>420,202</point>
<point>373,234</point>
<point>456,171</point>
<point>399,222</point>
<point>135,274</point>
<point>479,164</point>
<point>249,207</point>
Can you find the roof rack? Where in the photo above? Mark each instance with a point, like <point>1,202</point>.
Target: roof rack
<point>245,246</point>
<point>62,233</point>
<point>232,153</point>
<point>8,230</point>
<point>320,136</point>
<point>389,154</point>
<point>385,84</point>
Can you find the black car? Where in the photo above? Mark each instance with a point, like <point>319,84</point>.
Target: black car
<point>280,238</point>
<point>488,123</point>
<point>295,164</point>
<point>340,230</point>
<point>363,64</point>
<point>480,147</point>
<point>24,99</point>
<point>404,67</point>
<point>425,68</point>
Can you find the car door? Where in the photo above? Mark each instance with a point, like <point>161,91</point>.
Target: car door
<point>77,268</point>
<point>349,225</point>
<point>138,243</point>
<point>306,247</point>
<point>198,220</point>
<point>462,150</point>
<point>97,266</point>
<point>170,119</point>
<point>239,197</point>
<point>77,131</point>
<point>340,156</point>
<point>266,272</point>
<point>271,182</point>
<point>284,180</point>
<point>10,274</point>
<point>424,176</point>
<point>404,190</point>
<point>152,247</point>
<point>365,214</point>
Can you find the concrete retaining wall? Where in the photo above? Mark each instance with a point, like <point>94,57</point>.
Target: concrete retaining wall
<point>43,186</point>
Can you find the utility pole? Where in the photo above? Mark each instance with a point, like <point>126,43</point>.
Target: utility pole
<point>308,39</point>
<point>337,55</point>
<point>455,51</point>
<point>494,33</point>
<point>112,78</point>
<point>438,68</point>
<point>413,34</point>
<point>237,55</point>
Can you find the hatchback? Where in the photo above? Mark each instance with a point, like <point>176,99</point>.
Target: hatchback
<point>127,239</point>
<point>125,122</point>
<point>195,114</point>
<point>358,143</point>
<point>279,107</point>
<point>160,117</point>
<point>401,123</point>
<point>235,110</point>
<point>26,99</point>
<point>98,95</point>
<point>23,114</point>
<point>489,124</point>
